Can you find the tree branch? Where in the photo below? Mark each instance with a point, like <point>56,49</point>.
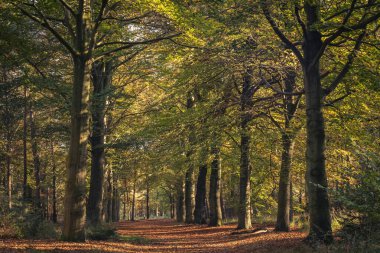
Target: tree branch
<point>67,7</point>
<point>299,20</point>
<point>129,44</point>
<point>347,66</point>
<point>45,23</point>
<point>343,28</point>
<point>278,32</point>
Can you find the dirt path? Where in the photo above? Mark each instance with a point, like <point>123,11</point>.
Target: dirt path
<point>168,236</point>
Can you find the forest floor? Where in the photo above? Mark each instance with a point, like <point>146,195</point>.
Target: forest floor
<point>164,235</point>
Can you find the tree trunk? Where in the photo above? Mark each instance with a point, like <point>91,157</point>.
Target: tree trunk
<point>283,208</point>
<point>180,206</point>
<point>316,178</point>
<point>24,142</point>
<point>215,191</point>
<point>36,161</point>
<point>8,173</point>
<point>133,202</point>
<point>284,194</point>
<point>222,203</point>
<point>200,197</point>
<point>172,209</point>
<point>189,176</point>
<point>54,197</point>
<point>101,78</point>
<point>147,199</point>
<point>108,198</point>
<point>244,215</point>
<point>75,192</point>
<point>291,211</point>
<point>115,200</point>
<point>189,194</point>
<point>125,199</point>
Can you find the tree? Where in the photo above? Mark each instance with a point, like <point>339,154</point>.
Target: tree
<point>81,40</point>
<point>313,49</point>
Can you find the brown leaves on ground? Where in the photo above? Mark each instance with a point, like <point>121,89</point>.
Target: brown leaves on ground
<point>168,236</point>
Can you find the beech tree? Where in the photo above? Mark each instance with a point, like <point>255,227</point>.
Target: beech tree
<point>314,47</point>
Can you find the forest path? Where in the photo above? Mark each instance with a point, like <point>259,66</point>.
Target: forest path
<point>164,235</point>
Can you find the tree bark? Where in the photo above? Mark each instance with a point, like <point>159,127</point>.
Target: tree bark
<point>101,78</point>
<point>36,161</point>
<point>24,142</point>
<point>215,189</point>
<point>288,134</point>
<point>189,194</point>
<point>283,209</point>
<point>133,211</point>
<point>108,196</point>
<point>115,199</point>
<point>244,215</point>
<point>180,206</point>
<point>125,199</point>
<point>54,216</point>
<point>189,175</point>
<point>291,211</point>
<point>172,206</point>
<point>147,199</point>
<point>8,172</point>
<point>200,197</point>
<point>75,193</point>
<point>316,178</point>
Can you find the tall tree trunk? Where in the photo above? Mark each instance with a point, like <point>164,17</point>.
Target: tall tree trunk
<point>115,200</point>
<point>36,161</point>
<point>200,197</point>
<point>180,206</point>
<point>189,175</point>
<point>316,178</point>
<point>24,142</point>
<point>54,216</point>
<point>108,198</point>
<point>133,211</point>
<point>75,192</point>
<point>222,203</point>
<point>244,215</point>
<point>172,206</point>
<point>101,78</point>
<point>125,199</point>
<point>215,191</point>
<point>8,172</point>
<point>189,194</point>
<point>283,209</point>
<point>147,198</point>
<point>291,211</point>
<point>284,194</point>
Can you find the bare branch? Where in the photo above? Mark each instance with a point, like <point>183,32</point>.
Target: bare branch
<point>97,22</point>
<point>347,9</point>
<point>283,38</point>
<point>347,66</point>
<point>275,122</point>
<point>344,28</point>
<point>299,20</point>
<point>331,103</point>
<point>269,85</point>
<point>67,7</point>
<point>45,23</point>
<point>129,44</point>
